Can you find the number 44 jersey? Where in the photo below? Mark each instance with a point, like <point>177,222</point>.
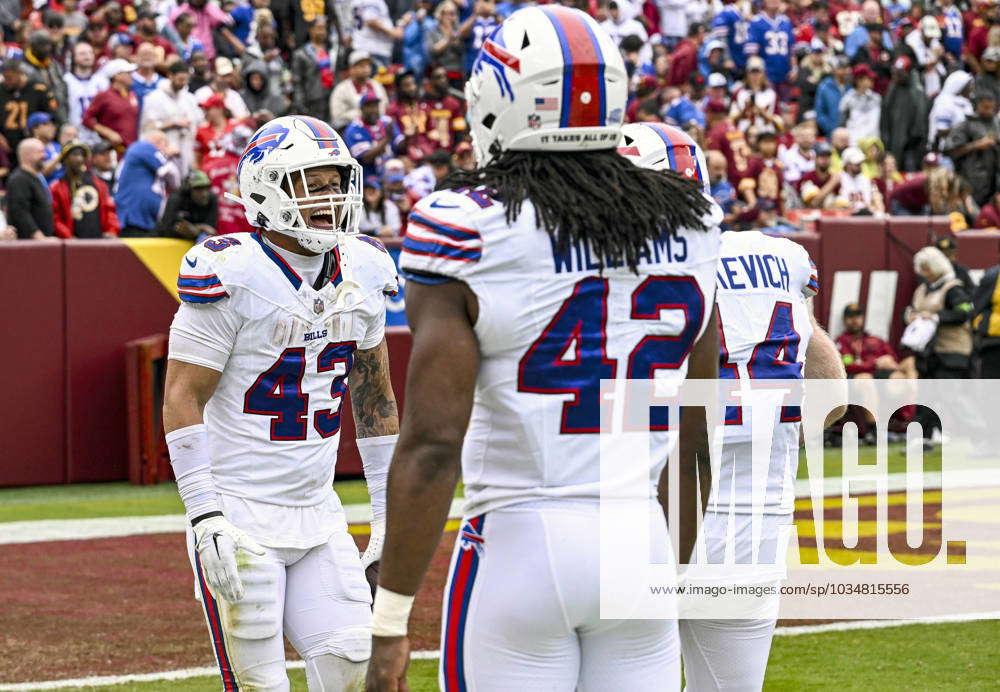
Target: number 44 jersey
<point>551,326</point>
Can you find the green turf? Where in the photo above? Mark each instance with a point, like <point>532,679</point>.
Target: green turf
<point>896,459</point>
<point>958,656</point>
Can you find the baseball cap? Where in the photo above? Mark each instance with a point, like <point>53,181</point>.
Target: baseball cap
<point>755,63</point>
<point>853,309</point>
<point>117,66</point>
<point>198,178</point>
<point>357,56</point>
<point>809,115</point>
<point>842,61</point>
<point>853,155</point>
<point>817,45</point>
<point>863,70</point>
<point>102,147</point>
<point>697,80</point>
<point>72,146</point>
<point>714,45</point>
<point>393,176</point>
<point>223,66</point>
<point>372,181</point>
<point>369,97</point>
<point>463,148</point>
<point>39,118</point>
<point>992,53</point>
<point>822,149</point>
<point>12,64</point>
<point>929,27</point>
<point>945,244</point>
<point>147,14</point>
<point>932,159</point>
<point>717,80</point>
<point>213,101</point>
<point>902,64</point>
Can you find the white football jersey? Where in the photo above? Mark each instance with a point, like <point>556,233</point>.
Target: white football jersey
<point>551,326</point>
<point>284,350</point>
<point>763,285</point>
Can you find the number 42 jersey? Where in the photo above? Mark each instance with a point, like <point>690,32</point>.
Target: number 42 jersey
<point>551,326</point>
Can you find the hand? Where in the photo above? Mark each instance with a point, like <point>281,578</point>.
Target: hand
<point>886,362</point>
<point>217,542</point>
<point>8,233</point>
<point>274,53</point>
<point>387,665</point>
<point>109,235</point>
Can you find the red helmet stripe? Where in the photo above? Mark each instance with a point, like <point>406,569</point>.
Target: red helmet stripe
<point>680,150</point>
<point>583,69</point>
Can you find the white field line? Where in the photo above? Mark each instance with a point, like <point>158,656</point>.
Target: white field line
<point>185,673</point>
<point>111,527</point>
<point>82,529</point>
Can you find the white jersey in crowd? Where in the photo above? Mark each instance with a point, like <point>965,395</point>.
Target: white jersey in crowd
<point>763,285</point>
<point>364,37</point>
<point>284,350</point>
<point>857,190</point>
<point>80,92</point>
<point>550,327</point>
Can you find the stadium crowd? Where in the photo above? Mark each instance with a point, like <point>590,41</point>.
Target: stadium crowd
<point>129,119</point>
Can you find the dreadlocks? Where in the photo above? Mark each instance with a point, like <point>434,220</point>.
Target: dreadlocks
<point>598,197</point>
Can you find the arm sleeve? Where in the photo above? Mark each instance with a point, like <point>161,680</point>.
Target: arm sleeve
<point>90,118</point>
<point>61,216</point>
<point>204,334</point>
<point>957,307</point>
<point>19,207</point>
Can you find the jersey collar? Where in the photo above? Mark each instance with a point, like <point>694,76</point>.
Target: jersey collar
<point>285,268</point>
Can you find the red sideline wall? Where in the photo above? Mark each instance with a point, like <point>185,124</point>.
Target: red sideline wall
<point>69,308</point>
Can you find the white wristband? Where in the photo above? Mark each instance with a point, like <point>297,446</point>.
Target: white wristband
<point>376,453</point>
<point>391,613</point>
<point>193,470</point>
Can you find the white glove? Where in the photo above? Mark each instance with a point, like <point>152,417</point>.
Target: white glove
<point>217,541</point>
<point>373,553</point>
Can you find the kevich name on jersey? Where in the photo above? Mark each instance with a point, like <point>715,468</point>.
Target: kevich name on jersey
<point>753,271</point>
<point>579,256</point>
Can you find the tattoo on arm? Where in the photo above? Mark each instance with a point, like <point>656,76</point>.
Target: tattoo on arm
<point>372,399</point>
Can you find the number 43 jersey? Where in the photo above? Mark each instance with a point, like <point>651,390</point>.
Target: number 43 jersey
<point>551,326</point>
<point>284,350</point>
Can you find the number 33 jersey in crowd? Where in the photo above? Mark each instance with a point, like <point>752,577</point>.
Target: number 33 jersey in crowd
<point>551,326</point>
<point>284,350</point>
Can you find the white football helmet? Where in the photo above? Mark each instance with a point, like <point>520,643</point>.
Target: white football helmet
<point>547,79</point>
<point>662,147</point>
<point>286,147</point>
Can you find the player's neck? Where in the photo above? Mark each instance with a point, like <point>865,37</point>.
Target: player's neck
<point>287,243</point>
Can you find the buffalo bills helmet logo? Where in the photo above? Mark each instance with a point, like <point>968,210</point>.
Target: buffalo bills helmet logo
<point>266,139</point>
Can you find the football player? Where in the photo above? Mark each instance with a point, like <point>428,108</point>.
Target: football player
<point>767,330</point>
<point>553,265</point>
<point>272,329</point>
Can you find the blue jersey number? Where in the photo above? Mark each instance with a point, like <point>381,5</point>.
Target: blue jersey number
<point>570,356</point>
<point>774,358</point>
<point>277,392</point>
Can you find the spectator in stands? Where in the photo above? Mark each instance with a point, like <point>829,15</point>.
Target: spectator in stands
<point>950,108</point>
<point>903,124</point>
<point>722,190</point>
<point>942,299</point>
<point>866,356</point>
<point>415,33</point>
<point>222,85</point>
<point>104,163</point>
<point>800,158</point>
<point>989,214</point>
<point>265,50</point>
<point>771,36</point>
<point>871,13</point>
<point>183,39</point>
<point>191,212</point>
<point>40,66</point>
<point>42,128</point>
<point>373,139</point>
<point>376,32</point>
<point>856,192</point>
<point>447,121</point>
<point>146,173</point>
<point>394,187</point>
<point>763,178</point>
<point>218,123</point>
<point>82,85</point>
<point>29,206</point>
<point>345,100</point>
<point>620,24</point>
<point>673,21</point>
<point>221,168</point>
<point>831,90</point>
<point>986,323</point>
<point>972,145</point>
<point>145,78</point>
<point>313,73</point>
<point>464,158</point>
<point>684,59</point>
<point>257,92</point>
<point>861,107</point>
<point>380,216</point>
<point>421,181</point>
<point>19,96</point>
<point>208,18</point>
<point>81,203</point>
<point>173,110</point>
<point>949,247</point>
<point>755,104</point>
<point>445,45</point>
<point>146,32</point>
<point>929,53</point>
<point>114,113</point>
<point>817,188</point>
<point>476,28</point>
<point>988,79</point>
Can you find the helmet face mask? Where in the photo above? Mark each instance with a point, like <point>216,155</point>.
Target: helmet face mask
<point>297,177</point>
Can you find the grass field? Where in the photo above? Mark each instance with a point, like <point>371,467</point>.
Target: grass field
<point>910,657</point>
<point>88,501</point>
